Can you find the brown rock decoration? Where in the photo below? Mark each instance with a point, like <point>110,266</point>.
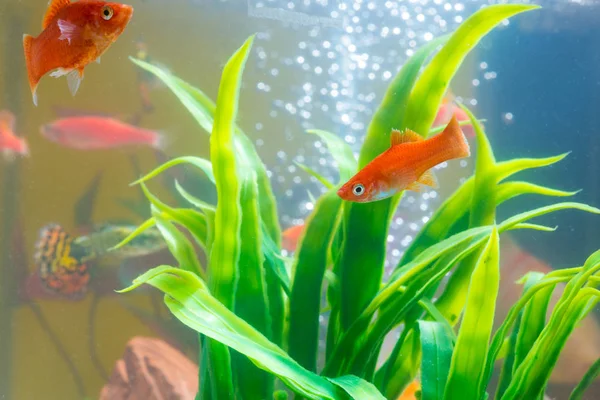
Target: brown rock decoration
<point>152,370</point>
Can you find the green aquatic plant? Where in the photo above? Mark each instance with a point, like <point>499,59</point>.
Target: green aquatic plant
<point>257,313</point>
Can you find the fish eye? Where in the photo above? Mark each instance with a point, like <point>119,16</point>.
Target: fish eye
<point>107,12</point>
<point>358,189</point>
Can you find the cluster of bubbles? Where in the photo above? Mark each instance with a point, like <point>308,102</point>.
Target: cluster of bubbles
<point>346,55</point>
<point>334,78</point>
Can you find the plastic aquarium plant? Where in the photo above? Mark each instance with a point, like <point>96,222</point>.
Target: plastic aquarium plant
<point>248,299</point>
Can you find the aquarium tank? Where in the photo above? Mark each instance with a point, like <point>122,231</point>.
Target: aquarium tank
<point>312,199</point>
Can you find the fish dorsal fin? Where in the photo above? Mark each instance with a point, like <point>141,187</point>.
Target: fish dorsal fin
<point>54,7</point>
<point>407,136</point>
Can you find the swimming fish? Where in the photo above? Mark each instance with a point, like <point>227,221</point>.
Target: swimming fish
<point>63,260</point>
<point>95,133</point>
<point>410,393</point>
<point>74,35</point>
<point>11,144</point>
<point>291,236</point>
<point>447,109</point>
<point>406,165</point>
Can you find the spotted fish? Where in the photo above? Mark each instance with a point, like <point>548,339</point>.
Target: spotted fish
<point>63,260</point>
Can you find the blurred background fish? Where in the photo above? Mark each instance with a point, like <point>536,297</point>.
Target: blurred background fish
<point>97,133</point>
<point>63,260</point>
<point>448,108</point>
<point>11,144</point>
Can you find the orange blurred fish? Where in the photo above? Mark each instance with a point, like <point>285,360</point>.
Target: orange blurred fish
<point>410,393</point>
<point>10,144</point>
<point>74,35</point>
<point>291,236</point>
<point>447,109</point>
<point>94,133</point>
<point>406,165</point>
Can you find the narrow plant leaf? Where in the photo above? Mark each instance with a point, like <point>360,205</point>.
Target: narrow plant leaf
<point>309,270</point>
<point>510,348</point>
<point>434,81</point>
<point>202,164</point>
<point>315,174</point>
<point>436,345</point>
<point>251,303</point>
<point>590,377</point>
<point>467,372</point>
<point>357,388</point>
<point>192,220</point>
<point>149,223</point>
<point>340,151</point>
<point>203,110</point>
<point>190,302</point>
<point>181,248</point>
<point>202,205</point>
<point>225,250</point>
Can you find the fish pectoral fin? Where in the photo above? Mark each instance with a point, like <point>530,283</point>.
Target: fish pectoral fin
<point>68,30</point>
<point>98,60</point>
<point>428,178</point>
<point>407,136</point>
<point>415,187</point>
<point>60,72</point>
<point>74,78</point>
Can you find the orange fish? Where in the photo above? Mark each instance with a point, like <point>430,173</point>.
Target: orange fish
<point>406,165</point>
<point>291,236</point>
<point>10,144</point>
<point>410,393</point>
<point>73,36</point>
<point>94,133</point>
<point>447,109</point>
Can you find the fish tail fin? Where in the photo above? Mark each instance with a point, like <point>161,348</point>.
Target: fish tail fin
<point>33,79</point>
<point>455,140</point>
<point>60,271</point>
<point>161,141</point>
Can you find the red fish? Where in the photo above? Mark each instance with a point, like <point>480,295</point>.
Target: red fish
<point>447,109</point>
<point>74,35</point>
<point>291,236</point>
<point>406,165</point>
<point>94,133</point>
<point>10,144</point>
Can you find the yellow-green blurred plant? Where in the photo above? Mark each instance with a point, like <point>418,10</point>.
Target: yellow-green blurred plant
<point>251,300</point>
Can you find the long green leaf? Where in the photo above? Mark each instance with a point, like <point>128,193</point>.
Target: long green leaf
<point>434,81</point>
<point>340,151</point>
<point>310,266</point>
<point>203,109</point>
<point>251,302</point>
<point>510,362</point>
<point>357,388</point>
<point>225,251</point>
<point>181,248</point>
<point>436,344</point>
<point>467,372</point>
<point>187,298</point>
<point>590,376</point>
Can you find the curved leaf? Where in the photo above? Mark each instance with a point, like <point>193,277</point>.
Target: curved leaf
<point>340,151</point>
<point>436,345</point>
<point>225,250</point>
